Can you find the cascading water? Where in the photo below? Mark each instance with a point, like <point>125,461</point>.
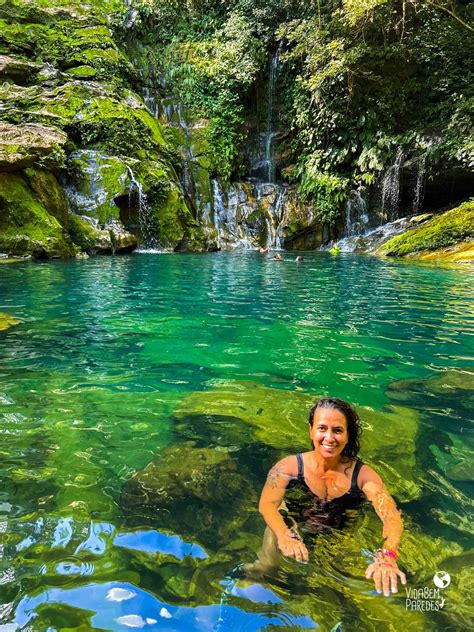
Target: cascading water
<point>252,212</point>
<point>391,188</point>
<point>146,220</point>
<point>357,216</point>
<point>419,184</point>
<point>270,134</point>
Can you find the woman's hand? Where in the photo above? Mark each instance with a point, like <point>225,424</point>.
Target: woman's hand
<point>291,545</point>
<point>385,574</point>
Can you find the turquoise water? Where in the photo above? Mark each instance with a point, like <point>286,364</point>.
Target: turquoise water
<point>143,399</point>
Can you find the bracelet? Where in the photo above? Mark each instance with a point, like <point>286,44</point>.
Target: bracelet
<point>388,553</point>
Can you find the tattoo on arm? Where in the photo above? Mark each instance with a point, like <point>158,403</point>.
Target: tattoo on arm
<point>274,477</point>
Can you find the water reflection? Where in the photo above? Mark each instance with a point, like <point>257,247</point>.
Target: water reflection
<point>156,542</point>
<point>122,606</point>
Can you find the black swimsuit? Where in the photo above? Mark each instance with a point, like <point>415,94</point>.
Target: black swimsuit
<point>319,515</point>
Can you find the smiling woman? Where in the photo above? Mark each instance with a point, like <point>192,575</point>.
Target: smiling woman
<point>333,480</point>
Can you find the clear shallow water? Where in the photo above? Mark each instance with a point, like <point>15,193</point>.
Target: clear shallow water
<point>143,398</point>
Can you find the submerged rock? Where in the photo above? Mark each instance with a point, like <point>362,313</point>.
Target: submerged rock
<point>184,489</point>
<point>279,420</point>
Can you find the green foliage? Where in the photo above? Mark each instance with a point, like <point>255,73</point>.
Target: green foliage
<point>370,73</point>
<point>328,191</point>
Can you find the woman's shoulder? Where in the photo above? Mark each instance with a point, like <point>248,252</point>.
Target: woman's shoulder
<point>288,465</point>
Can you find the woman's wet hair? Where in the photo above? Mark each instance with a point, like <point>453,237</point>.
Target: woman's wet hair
<point>354,429</point>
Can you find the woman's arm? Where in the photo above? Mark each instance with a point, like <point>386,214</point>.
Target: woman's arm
<point>270,501</point>
<point>384,570</point>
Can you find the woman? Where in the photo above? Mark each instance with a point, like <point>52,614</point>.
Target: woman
<point>332,480</point>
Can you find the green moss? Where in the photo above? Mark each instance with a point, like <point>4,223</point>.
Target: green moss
<point>82,72</point>
<point>96,179</point>
<point>443,231</point>
<point>48,192</point>
<point>171,218</point>
<point>81,232</point>
<point>26,227</point>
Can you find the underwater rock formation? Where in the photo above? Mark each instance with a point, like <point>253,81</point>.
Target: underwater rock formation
<point>182,489</point>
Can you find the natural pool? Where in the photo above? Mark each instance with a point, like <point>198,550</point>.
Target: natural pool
<point>143,399</point>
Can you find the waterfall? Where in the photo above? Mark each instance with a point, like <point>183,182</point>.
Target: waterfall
<point>357,217</point>
<point>146,221</point>
<point>391,187</point>
<point>262,164</point>
<point>419,184</point>
<point>270,134</point>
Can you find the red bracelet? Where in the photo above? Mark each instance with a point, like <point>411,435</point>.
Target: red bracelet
<point>390,553</point>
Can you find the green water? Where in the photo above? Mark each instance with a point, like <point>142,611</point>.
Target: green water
<point>143,399</point>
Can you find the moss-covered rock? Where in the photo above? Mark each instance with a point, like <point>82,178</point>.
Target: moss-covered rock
<point>92,182</point>
<point>82,72</point>
<point>445,237</point>
<point>279,421</point>
<point>24,145</point>
<point>26,227</point>
<point>182,488</point>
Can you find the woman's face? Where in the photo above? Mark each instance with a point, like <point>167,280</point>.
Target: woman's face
<point>329,432</point>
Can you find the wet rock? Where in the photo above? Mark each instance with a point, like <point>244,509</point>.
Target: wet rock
<point>23,145</point>
<point>26,225</point>
<point>122,241</point>
<point>434,239</point>
<point>93,180</point>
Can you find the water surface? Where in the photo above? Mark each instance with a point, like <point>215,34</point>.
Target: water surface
<point>143,399</point>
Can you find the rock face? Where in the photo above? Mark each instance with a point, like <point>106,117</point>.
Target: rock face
<point>92,144</point>
<point>23,145</point>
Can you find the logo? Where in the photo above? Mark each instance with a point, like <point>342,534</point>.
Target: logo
<point>428,599</point>
<point>441,579</point>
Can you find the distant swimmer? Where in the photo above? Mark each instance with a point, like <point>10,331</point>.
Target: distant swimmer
<point>277,257</point>
<point>299,259</point>
<point>263,249</point>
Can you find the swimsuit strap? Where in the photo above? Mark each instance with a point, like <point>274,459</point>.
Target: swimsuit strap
<point>299,458</point>
<point>355,474</point>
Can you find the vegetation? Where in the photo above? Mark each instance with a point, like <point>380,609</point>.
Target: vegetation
<point>360,79</point>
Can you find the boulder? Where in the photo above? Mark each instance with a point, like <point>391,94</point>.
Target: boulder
<point>442,237</point>
<point>23,145</point>
<point>122,241</point>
